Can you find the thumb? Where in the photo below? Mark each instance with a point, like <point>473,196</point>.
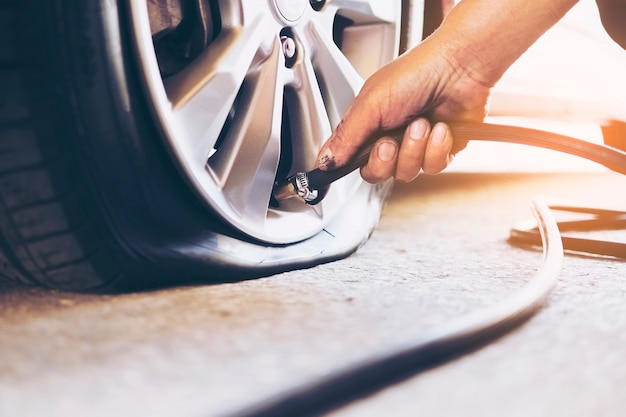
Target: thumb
<point>357,125</point>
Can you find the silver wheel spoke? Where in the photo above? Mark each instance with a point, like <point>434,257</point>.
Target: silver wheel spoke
<point>245,163</point>
<point>203,93</point>
<point>310,125</point>
<point>341,82</point>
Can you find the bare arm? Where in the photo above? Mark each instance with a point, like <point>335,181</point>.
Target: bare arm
<point>447,77</point>
<point>613,15</point>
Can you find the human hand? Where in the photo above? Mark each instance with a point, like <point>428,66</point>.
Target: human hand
<point>448,77</point>
<point>424,85</point>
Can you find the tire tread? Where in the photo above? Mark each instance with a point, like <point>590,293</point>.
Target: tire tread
<point>47,233</point>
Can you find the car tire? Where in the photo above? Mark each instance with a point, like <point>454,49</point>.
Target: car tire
<point>94,194</point>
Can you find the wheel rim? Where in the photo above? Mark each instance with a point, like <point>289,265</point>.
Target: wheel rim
<point>256,92</point>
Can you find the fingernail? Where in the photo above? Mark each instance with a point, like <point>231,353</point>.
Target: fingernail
<point>325,159</point>
<point>438,134</point>
<point>386,151</point>
<point>417,129</point>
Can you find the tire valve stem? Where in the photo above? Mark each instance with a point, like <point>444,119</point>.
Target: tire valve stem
<point>312,186</point>
<point>295,186</point>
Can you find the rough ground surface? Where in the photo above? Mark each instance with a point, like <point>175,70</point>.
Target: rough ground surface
<point>440,251</point>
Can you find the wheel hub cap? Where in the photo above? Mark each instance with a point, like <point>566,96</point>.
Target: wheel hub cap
<point>290,10</point>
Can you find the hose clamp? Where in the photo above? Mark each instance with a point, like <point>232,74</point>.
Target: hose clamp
<point>303,189</point>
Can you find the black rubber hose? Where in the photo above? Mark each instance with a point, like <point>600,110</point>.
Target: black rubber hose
<point>464,132</point>
<point>611,158</point>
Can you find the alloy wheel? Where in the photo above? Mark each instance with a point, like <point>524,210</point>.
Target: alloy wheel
<point>246,92</point>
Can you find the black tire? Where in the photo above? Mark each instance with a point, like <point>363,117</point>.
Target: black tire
<point>50,235</point>
<point>90,199</point>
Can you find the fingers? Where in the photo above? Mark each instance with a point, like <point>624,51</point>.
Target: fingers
<point>437,156</point>
<point>382,161</point>
<point>413,149</point>
<point>422,149</point>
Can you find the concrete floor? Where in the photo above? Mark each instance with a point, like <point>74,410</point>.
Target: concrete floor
<point>440,251</point>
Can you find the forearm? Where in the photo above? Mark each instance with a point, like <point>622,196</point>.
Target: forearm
<point>484,37</point>
<point>613,15</point>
